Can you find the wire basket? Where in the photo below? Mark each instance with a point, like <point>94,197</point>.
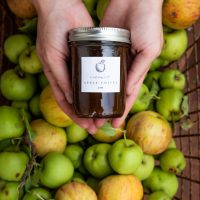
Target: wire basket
<point>187,141</point>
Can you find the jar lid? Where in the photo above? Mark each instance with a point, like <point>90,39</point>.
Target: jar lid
<point>99,34</point>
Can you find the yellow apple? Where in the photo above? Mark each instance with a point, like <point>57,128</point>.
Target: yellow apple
<point>48,138</point>
<point>180,14</point>
<point>118,187</point>
<point>150,131</point>
<point>51,110</point>
<point>75,191</point>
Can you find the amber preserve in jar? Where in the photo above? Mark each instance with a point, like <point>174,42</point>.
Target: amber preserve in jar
<point>99,59</point>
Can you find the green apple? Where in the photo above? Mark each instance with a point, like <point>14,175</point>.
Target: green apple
<point>175,45</point>
<point>125,156</point>
<point>13,165</point>
<point>91,6</point>
<point>101,8</point>
<point>75,153</point>
<point>9,190</point>
<point>56,169</point>
<point>93,183</point>
<point>29,61</point>
<point>34,105</point>
<point>37,194</point>
<point>14,45</point>
<point>157,63</point>
<point>169,104</point>
<point>159,195</point>
<point>152,76</point>
<point>20,105</point>
<point>141,103</point>
<point>160,180</point>
<point>17,86</point>
<point>42,80</point>
<point>146,167</point>
<point>172,78</point>
<point>173,161</point>
<point>11,123</point>
<point>75,133</point>
<point>96,161</point>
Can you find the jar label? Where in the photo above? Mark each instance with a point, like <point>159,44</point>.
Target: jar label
<point>100,74</point>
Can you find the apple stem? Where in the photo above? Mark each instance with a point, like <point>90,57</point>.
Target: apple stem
<point>125,139</point>
<point>32,154</point>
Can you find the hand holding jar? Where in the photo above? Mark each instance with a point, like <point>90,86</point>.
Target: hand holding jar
<point>55,19</point>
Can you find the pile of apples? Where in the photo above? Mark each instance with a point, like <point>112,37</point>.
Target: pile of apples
<point>44,155</point>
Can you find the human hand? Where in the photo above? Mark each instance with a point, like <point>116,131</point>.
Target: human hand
<point>143,19</point>
<point>55,19</point>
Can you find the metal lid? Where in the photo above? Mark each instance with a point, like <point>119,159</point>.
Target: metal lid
<point>99,34</point>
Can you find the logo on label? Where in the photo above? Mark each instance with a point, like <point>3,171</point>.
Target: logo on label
<point>100,66</point>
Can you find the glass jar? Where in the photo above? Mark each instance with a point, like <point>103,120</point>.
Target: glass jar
<point>99,59</point>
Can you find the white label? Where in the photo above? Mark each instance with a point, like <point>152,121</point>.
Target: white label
<point>100,74</point>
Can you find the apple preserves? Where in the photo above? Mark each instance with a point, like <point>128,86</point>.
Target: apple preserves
<point>99,62</point>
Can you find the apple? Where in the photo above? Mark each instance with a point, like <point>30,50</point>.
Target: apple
<point>157,63</point>
<point>91,6</point>
<point>173,161</point>
<point>11,123</point>
<point>169,104</point>
<point>75,133</point>
<point>9,190</point>
<point>159,195</point>
<point>75,153</point>
<point>14,45</point>
<point>51,110</point>
<point>29,61</point>
<point>48,138</point>
<point>13,165</point>
<point>55,170</point>
<point>102,133</point>
<point>160,180</point>
<point>142,102</point>
<point>125,156</point>
<point>101,8</point>
<point>175,45</point>
<point>146,167</point>
<point>37,193</point>
<point>144,127</point>
<point>93,183</point>
<point>180,14</point>
<point>25,9</point>
<point>34,105</point>
<point>152,76</point>
<point>172,78</point>
<point>118,187</point>
<point>42,80</point>
<point>17,86</point>
<point>96,160</point>
<point>75,191</point>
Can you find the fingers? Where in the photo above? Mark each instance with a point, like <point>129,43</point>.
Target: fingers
<point>138,70</point>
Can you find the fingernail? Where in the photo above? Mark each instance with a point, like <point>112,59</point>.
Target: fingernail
<point>69,98</point>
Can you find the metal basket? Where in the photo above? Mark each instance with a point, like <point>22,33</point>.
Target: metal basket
<point>187,141</point>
